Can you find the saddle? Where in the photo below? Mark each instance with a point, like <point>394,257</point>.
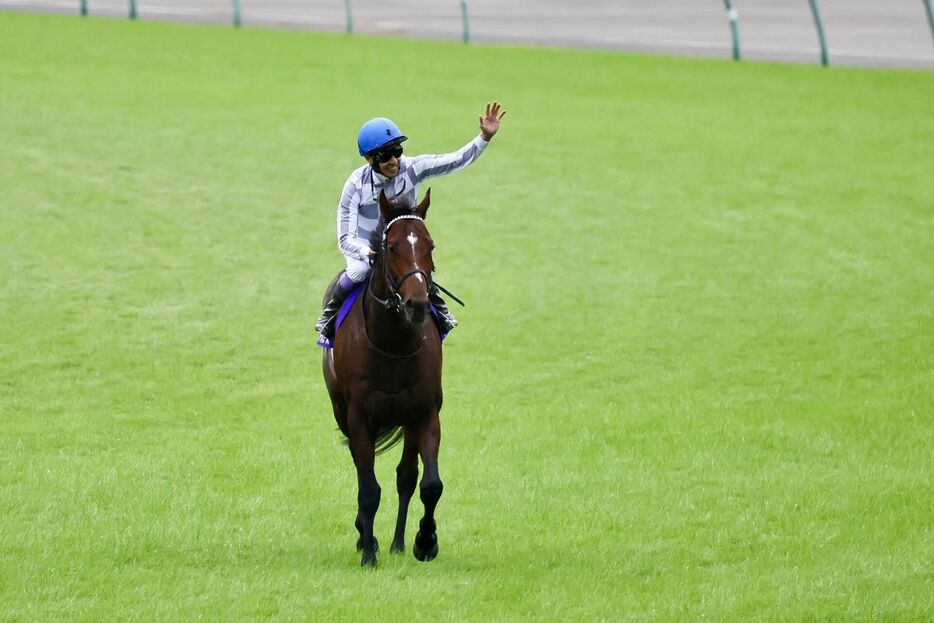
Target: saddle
<point>324,342</point>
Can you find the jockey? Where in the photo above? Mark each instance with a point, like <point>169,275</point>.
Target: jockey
<point>380,143</point>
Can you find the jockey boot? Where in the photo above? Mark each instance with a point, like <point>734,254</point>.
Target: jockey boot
<point>448,322</point>
<point>325,324</point>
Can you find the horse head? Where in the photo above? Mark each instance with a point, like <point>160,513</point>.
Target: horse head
<point>405,255</point>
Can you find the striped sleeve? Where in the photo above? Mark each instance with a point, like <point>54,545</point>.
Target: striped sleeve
<point>428,166</point>
<point>347,215</point>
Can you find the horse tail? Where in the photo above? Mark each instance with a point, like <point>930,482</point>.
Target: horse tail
<point>386,440</point>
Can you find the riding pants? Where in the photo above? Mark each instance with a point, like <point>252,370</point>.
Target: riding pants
<point>357,270</point>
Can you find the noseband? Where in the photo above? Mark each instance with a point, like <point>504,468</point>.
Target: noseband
<point>394,300</point>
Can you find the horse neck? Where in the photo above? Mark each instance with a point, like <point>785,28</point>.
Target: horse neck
<point>386,329</point>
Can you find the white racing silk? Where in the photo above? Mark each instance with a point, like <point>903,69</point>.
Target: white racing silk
<point>358,211</point>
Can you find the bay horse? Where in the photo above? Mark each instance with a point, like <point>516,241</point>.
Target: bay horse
<point>383,376</point>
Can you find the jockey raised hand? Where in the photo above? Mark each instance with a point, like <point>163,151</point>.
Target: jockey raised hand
<point>387,169</point>
<point>489,123</point>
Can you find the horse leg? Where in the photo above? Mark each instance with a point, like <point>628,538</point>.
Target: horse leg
<point>430,488</point>
<point>368,491</point>
<point>406,478</point>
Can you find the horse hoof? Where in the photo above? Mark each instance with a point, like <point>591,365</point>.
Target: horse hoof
<point>424,555</point>
<point>368,560</point>
<point>360,544</point>
<point>397,548</point>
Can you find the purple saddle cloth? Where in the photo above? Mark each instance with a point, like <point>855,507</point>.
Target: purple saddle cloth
<point>324,342</point>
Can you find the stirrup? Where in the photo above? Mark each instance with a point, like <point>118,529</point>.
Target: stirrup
<point>325,326</point>
<point>446,318</point>
<point>449,322</point>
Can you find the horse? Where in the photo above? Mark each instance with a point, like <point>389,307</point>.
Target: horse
<point>383,376</point>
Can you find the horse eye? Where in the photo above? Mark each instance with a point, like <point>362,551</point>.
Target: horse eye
<point>391,248</point>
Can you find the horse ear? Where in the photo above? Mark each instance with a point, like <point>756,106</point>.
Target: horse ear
<point>422,209</point>
<point>385,208</point>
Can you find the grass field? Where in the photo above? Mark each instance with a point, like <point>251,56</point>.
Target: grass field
<point>693,380</point>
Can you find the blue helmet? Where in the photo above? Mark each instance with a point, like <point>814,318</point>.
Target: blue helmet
<point>377,132</point>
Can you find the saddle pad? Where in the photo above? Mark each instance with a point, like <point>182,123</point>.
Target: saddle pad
<point>324,342</point>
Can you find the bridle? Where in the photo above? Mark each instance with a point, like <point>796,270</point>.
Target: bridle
<point>394,301</point>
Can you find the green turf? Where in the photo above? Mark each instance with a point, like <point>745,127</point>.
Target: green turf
<point>693,380</point>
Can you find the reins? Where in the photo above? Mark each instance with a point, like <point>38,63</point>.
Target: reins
<point>393,302</point>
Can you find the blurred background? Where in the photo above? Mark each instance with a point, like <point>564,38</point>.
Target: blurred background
<point>894,33</point>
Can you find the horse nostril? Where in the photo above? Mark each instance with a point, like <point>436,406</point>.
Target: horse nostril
<point>416,309</point>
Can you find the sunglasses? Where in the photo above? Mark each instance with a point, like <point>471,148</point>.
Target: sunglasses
<point>388,154</point>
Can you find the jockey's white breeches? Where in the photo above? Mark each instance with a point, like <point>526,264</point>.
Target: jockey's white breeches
<point>357,270</point>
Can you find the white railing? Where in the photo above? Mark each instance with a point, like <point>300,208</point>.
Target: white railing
<point>855,32</point>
